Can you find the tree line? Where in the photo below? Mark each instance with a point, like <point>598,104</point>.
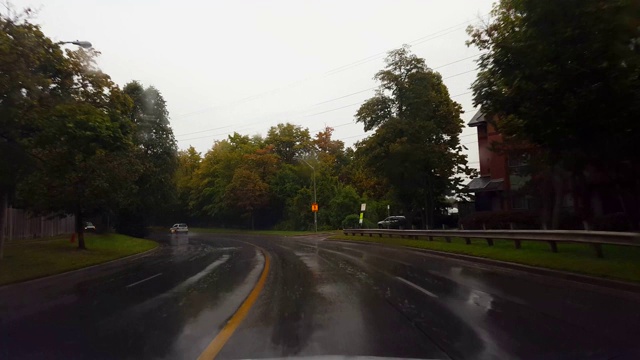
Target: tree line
<point>561,81</point>
<point>74,142</point>
<point>563,89</point>
<point>412,163</point>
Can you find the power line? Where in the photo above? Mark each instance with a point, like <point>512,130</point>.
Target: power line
<point>464,93</point>
<point>421,40</point>
<point>333,126</point>
<point>348,95</point>
<point>201,131</point>
<point>260,122</point>
<point>456,61</point>
<point>342,107</point>
<point>251,124</point>
<point>345,96</point>
<point>333,71</point>
<point>375,87</point>
<point>327,101</point>
<point>458,74</point>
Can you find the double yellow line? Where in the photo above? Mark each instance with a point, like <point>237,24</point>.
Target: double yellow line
<point>223,336</point>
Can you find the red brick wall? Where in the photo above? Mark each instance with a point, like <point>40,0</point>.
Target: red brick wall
<point>491,163</point>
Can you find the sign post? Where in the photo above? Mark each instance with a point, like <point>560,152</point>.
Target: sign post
<point>314,208</point>
<point>363,207</point>
<point>388,215</point>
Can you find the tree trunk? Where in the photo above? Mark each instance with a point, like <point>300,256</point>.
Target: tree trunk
<point>545,200</point>
<point>80,229</point>
<point>558,192</point>
<point>252,227</point>
<point>3,207</point>
<point>429,205</point>
<point>582,198</point>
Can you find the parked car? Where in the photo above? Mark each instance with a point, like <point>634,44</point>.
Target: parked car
<point>393,222</point>
<point>88,226</point>
<point>179,228</point>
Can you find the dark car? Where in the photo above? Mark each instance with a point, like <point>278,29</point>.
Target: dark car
<point>393,222</point>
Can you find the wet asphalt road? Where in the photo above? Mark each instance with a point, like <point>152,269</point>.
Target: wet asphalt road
<point>321,298</point>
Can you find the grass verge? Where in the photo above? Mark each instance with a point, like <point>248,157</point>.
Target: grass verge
<point>619,262</point>
<point>35,259</point>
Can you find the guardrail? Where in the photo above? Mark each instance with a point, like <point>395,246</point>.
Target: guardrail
<point>552,237</point>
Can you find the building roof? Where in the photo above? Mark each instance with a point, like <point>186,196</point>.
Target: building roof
<point>485,183</point>
<point>477,119</point>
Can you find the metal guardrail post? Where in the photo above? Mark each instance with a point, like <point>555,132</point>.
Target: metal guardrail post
<point>594,238</point>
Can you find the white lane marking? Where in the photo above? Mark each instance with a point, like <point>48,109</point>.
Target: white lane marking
<point>378,256</point>
<point>202,273</point>
<point>424,291</point>
<point>225,248</point>
<point>143,280</point>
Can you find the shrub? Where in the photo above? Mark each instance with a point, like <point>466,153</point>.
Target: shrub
<point>501,220</point>
<point>612,222</point>
<point>353,222</point>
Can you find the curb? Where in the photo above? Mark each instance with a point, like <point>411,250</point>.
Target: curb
<point>100,266</point>
<point>556,274</point>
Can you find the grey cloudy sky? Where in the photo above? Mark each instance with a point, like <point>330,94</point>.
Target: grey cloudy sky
<point>247,65</point>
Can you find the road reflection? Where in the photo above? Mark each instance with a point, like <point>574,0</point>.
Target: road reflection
<point>179,239</point>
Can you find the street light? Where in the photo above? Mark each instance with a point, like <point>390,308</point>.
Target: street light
<point>315,199</point>
<point>82,44</point>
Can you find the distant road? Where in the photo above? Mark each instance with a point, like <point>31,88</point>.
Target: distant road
<point>319,298</point>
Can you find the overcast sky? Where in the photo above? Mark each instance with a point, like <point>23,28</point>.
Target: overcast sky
<point>247,65</point>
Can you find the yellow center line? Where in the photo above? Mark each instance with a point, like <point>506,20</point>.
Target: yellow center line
<point>223,336</point>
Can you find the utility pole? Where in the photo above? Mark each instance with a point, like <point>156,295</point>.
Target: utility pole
<point>315,198</point>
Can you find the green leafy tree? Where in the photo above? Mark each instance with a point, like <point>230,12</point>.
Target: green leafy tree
<point>86,164</point>
<point>247,193</point>
<point>210,180</point>
<point>346,201</point>
<point>416,145</point>
<point>188,164</point>
<point>216,172</point>
<point>34,76</point>
<point>83,145</point>
<point>565,76</point>
<point>156,189</point>
<point>289,141</point>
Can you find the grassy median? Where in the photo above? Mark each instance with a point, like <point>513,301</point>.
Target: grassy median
<point>37,258</point>
<point>619,262</point>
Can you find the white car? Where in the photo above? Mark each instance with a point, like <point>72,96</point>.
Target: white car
<point>179,228</point>
<point>89,226</point>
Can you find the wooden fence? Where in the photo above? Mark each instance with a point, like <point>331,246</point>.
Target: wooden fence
<point>18,225</point>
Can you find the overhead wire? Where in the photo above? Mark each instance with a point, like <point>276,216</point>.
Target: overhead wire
<point>331,72</point>
<point>338,98</point>
<point>260,122</point>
